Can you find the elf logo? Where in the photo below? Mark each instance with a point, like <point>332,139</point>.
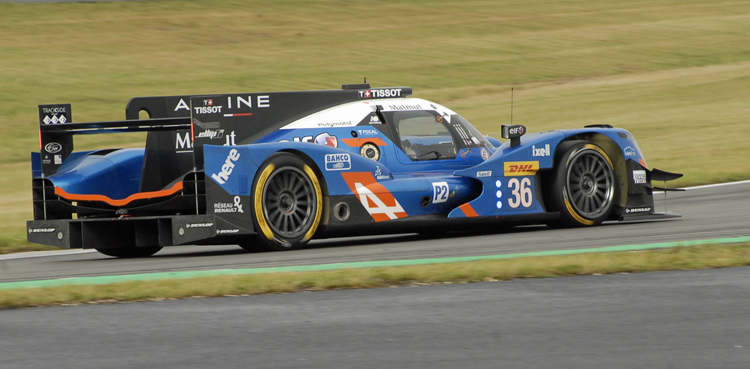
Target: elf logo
<point>521,168</point>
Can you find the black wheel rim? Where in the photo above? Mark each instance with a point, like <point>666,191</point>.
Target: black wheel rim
<point>590,184</point>
<point>289,203</point>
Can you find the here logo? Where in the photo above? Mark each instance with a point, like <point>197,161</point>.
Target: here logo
<point>227,168</point>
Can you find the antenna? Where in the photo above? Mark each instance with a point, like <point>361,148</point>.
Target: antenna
<point>511,105</point>
<point>365,80</point>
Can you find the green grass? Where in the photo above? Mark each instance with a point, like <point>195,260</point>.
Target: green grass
<point>675,73</point>
<point>680,258</point>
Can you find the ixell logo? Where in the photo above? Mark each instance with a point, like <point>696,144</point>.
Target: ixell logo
<point>227,168</point>
<point>540,151</point>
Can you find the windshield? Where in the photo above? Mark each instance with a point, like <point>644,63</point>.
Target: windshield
<point>424,135</point>
<point>475,138</point>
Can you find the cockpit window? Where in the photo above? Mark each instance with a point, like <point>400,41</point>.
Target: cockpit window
<point>424,135</point>
<point>469,134</point>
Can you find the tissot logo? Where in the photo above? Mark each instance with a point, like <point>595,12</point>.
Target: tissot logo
<point>380,93</point>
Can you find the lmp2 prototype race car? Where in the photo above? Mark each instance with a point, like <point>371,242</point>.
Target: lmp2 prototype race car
<point>275,170</point>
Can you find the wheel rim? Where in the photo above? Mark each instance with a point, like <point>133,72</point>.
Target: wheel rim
<point>289,203</point>
<point>590,184</point>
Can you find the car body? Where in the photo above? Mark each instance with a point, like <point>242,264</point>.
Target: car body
<point>275,170</point>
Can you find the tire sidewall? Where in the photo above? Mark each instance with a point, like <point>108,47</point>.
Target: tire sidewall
<point>569,217</point>
<point>266,235</point>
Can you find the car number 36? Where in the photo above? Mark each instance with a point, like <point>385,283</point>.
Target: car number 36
<point>520,193</point>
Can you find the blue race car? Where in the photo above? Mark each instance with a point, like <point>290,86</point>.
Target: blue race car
<point>275,170</point>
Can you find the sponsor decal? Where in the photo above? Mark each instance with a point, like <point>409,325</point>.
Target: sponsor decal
<point>639,176</point>
<point>379,174</point>
<point>227,231</point>
<point>199,225</point>
<point>380,93</point>
<point>375,120</point>
<point>227,167</point>
<point>338,162</point>
<point>321,139</point>
<point>521,168</point>
<point>629,151</point>
<point>336,124</point>
<point>637,210</point>
<point>261,101</point>
<point>540,151</point>
<point>375,198</point>
<point>208,108</point>
<point>53,147</point>
<point>440,192</point>
<point>485,154</point>
<point>211,134</point>
<point>516,130</point>
<point>230,139</point>
<point>182,105</point>
<point>55,114</point>
<point>367,132</point>
<point>484,173</point>
<point>41,230</point>
<point>326,139</point>
<point>58,159</point>
<point>228,207</point>
<point>184,143</point>
<point>401,107</point>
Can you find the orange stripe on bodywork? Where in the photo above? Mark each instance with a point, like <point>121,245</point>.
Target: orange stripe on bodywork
<point>137,196</point>
<point>375,198</point>
<point>468,210</point>
<point>357,142</point>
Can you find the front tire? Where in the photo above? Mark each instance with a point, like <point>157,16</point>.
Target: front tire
<point>584,185</point>
<point>288,202</point>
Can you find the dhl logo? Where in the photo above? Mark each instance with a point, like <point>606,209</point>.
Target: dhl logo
<point>521,168</point>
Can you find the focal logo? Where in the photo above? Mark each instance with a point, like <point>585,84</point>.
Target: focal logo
<point>227,168</point>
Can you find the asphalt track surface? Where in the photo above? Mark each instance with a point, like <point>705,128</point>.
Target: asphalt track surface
<point>684,319</point>
<point>708,213</point>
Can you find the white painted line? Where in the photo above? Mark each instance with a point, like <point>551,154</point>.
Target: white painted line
<point>717,185</point>
<point>39,254</point>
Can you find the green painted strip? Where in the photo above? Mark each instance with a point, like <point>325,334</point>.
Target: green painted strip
<point>366,264</point>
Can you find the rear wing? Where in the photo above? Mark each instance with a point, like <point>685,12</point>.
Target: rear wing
<point>56,131</point>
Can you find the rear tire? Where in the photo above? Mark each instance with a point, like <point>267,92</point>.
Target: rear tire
<point>288,202</point>
<point>130,252</point>
<point>584,185</point>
